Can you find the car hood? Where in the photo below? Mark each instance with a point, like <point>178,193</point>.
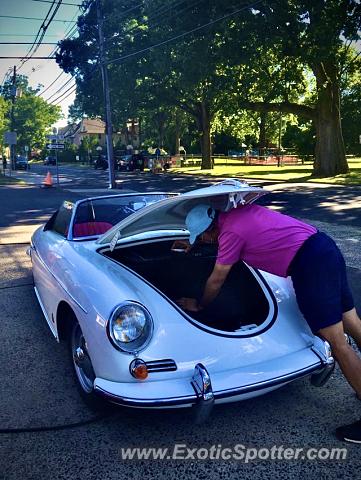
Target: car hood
<point>169,214</point>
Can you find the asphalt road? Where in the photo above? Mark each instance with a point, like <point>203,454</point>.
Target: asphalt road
<point>38,389</point>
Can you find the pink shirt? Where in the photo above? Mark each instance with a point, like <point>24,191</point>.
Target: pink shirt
<point>263,238</point>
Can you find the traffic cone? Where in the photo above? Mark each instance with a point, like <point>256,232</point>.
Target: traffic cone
<point>48,181</point>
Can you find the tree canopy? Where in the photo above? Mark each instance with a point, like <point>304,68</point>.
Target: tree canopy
<point>33,116</point>
<point>214,60</point>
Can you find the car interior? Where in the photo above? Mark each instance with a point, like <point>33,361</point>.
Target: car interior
<point>97,216</point>
<point>240,304</point>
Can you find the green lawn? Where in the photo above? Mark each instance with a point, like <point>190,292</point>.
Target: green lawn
<point>10,181</point>
<point>287,173</point>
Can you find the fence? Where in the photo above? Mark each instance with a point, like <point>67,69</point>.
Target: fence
<point>195,160</point>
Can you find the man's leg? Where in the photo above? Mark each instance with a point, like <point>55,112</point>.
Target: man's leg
<point>346,357</point>
<point>352,325</point>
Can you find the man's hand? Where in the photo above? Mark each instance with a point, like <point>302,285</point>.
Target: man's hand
<point>189,304</point>
<point>181,246</point>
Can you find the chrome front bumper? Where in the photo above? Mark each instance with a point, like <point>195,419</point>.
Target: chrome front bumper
<point>201,394</point>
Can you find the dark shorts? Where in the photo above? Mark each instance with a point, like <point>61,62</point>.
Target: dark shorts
<point>318,273</point>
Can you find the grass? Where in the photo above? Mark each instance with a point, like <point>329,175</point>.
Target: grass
<point>10,181</point>
<point>287,173</point>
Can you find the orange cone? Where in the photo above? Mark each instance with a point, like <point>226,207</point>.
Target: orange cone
<point>48,181</point>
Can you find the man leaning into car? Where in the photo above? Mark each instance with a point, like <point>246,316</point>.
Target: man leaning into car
<point>285,246</point>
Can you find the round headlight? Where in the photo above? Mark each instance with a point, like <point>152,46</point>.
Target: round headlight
<point>130,327</point>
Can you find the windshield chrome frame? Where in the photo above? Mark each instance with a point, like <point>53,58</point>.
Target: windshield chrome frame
<point>76,204</point>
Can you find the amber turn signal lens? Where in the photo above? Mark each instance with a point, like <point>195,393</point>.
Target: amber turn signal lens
<point>139,369</point>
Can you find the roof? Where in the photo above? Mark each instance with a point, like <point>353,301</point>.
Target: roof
<point>86,126</point>
<point>92,125</point>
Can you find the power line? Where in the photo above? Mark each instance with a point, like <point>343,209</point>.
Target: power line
<point>131,9</point>
<point>22,35</point>
<point>184,34</point>
<point>49,1</point>
<point>52,83</point>
<point>160,13</point>
<point>68,35</point>
<point>26,43</point>
<point>7,74</point>
<point>33,58</point>
<point>56,100</point>
<point>60,89</point>
<point>70,93</point>
<point>67,82</point>
<point>42,30</point>
<point>32,18</point>
<point>176,37</point>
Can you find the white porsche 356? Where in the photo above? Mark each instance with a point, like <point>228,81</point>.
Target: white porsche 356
<point>107,280</point>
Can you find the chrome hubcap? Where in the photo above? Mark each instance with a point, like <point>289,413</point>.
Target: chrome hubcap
<point>82,363</point>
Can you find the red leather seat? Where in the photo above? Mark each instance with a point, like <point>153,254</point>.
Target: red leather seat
<point>89,229</point>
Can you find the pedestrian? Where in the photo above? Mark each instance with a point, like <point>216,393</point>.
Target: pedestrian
<point>284,246</point>
<point>4,164</point>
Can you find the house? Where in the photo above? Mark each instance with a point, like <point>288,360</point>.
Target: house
<point>76,132</point>
<point>95,127</point>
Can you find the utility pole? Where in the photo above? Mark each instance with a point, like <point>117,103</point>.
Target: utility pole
<point>13,97</point>
<point>279,160</point>
<point>108,114</point>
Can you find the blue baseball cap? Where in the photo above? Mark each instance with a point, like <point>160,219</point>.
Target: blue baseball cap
<point>198,220</point>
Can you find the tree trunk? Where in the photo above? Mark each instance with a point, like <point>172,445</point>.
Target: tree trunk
<point>177,134</point>
<point>330,150</point>
<point>177,142</point>
<point>262,130</point>
<point>161,135</point>
<point>204,125</point>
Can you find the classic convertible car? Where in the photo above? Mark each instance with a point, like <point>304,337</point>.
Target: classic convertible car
<point>107,280</point>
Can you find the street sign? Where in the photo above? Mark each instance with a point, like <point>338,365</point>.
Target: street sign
<point>10,138</point>
<point>26,148</point>
<point>55,146</point>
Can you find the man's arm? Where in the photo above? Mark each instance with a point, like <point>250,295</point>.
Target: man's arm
<point>214,284</point>
<point>212,289</point>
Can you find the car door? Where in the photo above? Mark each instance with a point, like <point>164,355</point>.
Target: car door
<point>48,243</point>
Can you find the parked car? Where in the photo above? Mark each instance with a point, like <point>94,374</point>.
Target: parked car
<point>21,163</point>
<point>50,160</point>
<point>101,162</point>
<point>107,280</point>
<point>125,163</point>
<point>129,163</point>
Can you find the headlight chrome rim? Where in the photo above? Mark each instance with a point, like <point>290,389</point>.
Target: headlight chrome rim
<point>139,343</point>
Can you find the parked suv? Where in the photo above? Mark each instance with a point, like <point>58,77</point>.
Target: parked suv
<point>50,160</point>
<point>21,163</point>
<point>129,163</point>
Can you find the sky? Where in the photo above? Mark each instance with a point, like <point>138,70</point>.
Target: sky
<point>42,72</point>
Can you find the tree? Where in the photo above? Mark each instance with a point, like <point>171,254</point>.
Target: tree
<point>169,77</point>
<point>205,57</point>
<point>33,116</point>
<point>4,109</point>
<point>87,147</point>
<point>350,103</point>
<point>313,33</point>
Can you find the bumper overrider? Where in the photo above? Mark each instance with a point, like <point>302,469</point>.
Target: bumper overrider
<point>198,391</point>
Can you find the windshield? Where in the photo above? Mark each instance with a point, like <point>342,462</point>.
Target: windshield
<point>96,216</point>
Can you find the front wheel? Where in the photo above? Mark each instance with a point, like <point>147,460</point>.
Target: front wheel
<point>83,368</point>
